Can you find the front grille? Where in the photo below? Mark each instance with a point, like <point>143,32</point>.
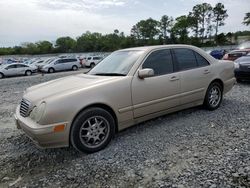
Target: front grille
<point>24,108</point>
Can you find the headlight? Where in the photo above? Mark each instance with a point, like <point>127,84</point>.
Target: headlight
<point>37,112</point>
<point>236,65</point>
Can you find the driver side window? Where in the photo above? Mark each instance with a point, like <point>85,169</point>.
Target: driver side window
<point>160,61</point>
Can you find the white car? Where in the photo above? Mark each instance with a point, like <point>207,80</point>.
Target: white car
<point>93,61</point>
<point>45,62</point>
<point>61,64</point>
<point>15,69</point>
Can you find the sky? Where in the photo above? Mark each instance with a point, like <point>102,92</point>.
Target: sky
<point>35,20</point>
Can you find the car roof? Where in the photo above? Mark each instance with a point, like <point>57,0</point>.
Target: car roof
<point>240,51</point>
<point>149,48</point>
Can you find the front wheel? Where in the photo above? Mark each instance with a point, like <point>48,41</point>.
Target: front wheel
<point>92,130</point>
<point>213,96</point>
<point>1,75</point>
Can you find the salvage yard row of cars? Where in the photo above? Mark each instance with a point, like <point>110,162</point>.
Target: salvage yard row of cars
<point>46,65</point>
<point>127,87</point>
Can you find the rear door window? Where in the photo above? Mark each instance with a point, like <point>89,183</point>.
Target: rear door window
<point>185,58</point>
<point>201,60</point>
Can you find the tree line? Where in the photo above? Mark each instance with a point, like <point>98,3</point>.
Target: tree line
<point>199,27</point>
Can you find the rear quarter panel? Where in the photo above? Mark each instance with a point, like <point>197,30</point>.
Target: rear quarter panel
<point>224,70</point>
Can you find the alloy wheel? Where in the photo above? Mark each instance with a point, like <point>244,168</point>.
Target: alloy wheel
<point>94,131</point>
<point>214,96</point>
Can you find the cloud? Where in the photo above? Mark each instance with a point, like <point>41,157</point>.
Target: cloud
<point>79,4</point>
<point>34,20</point>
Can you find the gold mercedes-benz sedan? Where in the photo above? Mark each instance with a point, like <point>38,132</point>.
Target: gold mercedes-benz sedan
<point>128,87</point>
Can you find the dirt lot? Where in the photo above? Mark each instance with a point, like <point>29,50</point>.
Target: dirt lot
<point>191,148</point>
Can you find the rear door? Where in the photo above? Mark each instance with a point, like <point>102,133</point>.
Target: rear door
<point>195,74</point>
<point>157,93</point>
<point>21,69</point>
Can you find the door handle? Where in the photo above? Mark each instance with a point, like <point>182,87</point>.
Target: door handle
<point>206,71</point>
<point>174,78</point>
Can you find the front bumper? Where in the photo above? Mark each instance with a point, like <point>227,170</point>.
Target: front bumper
<point>43,136</point>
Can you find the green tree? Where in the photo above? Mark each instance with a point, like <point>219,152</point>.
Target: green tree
<point>65,44</point>
<point>221,39</point>
<point>166,23</point>
<point>29,48</point>
<point>44,47</point>
<point>89,42</point>
<point>219,16</point>
<point>246,20</point>
<point>180,28</point>
<point>202,13</point>
<point>148,29</point>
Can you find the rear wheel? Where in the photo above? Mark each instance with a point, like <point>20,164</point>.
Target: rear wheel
<point>28,73</point>
<point>75,68</point>
<point>92,65</point>
<point>1,75</point>
<point>51,70</point>
<point>214,96</point>
<point>92,130</point>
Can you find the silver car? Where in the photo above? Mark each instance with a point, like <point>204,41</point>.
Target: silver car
<point>62,64</point>
<point>128,87</point>
<point>15,69</point>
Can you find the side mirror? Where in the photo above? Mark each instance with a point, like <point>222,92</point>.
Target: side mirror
<point>145,73</point>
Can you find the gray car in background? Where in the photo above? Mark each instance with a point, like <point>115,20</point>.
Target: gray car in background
<point>15,69</point>
<point>61,64</point>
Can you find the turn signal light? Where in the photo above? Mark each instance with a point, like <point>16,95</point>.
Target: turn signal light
<point>59,128</point>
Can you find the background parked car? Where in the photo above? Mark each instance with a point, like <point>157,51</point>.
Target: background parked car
<point>62,64</point>
<point>242,68</point>
<point>217,54</point>
<point>45,62</point>
<point>16,69</point>
<point>93,61</point>
<point>235,54</point>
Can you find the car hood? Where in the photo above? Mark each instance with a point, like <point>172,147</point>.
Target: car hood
<point>65,85</point>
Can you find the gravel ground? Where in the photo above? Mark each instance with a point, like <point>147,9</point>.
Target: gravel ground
<point>191,148</point>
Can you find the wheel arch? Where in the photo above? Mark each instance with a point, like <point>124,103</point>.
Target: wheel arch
<point>97,105</point>
<point>218,81</point>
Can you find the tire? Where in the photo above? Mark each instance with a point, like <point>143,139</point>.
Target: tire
<point>51,70</point>
<point>75,68</point>
<point>28,73</point>
<point>213,96</point>
<point>238,80</point>
<point>1,75</point>
<point>92,130</point>
<point>92,65</point>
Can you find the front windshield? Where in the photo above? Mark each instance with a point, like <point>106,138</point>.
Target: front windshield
<point>118,63</point>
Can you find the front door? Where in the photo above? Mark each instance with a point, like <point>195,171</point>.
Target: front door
<point>157,93</point>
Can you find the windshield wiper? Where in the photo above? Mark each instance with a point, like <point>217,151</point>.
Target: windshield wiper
<point>109,74</point>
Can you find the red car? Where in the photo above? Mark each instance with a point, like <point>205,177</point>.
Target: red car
<point>235,54</point>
